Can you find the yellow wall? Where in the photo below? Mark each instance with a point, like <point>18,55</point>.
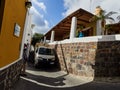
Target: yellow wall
<point>14,12</point>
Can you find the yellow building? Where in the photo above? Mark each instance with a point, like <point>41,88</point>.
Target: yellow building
<point>12,21</point>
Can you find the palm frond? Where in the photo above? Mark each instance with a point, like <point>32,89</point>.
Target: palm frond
<point>118,17</point>
<point>110,13</point>
<point>110,18</point>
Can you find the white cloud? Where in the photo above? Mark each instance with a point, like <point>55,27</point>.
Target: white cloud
<point>41,25</point>
<point>70,6</point>
<point>73,5</point>
<point>111,5</point>
<point>34,11</point>
<point>90,5</point>
<point>41,29</point>
<point>41,5</point>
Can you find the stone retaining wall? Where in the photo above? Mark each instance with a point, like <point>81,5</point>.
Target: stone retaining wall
<point>9,76</point>
<point>90,59</point>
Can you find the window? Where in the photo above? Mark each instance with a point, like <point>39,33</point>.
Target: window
<point>46,51</point>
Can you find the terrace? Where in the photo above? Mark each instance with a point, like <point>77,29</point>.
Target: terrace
<point>93,55</point>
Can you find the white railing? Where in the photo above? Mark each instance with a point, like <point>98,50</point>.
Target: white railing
<point>90,39</point>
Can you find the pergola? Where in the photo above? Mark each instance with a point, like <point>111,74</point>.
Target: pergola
<point>113,28</point>
<point>62,29</point>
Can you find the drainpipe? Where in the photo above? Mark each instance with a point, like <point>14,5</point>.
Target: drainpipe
<point>73,27</point>
<point>52,36</point>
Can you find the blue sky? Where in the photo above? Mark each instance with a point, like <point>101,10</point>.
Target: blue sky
<point>54,10</point>
<point>47,13</point>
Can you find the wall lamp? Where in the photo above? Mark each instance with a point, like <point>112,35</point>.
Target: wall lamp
<point>28,4</point>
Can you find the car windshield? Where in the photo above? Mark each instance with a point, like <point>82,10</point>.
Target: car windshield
<point>46,51</point>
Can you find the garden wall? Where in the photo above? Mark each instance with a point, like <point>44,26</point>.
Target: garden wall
<point>97,57</point>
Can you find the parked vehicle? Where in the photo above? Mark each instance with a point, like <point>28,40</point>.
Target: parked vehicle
<point>43,56</point>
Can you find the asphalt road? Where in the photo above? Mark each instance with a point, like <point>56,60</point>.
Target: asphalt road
<point>50,78</point>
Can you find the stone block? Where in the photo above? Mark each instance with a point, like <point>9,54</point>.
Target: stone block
<point>89,58</point>
<point>10,75</point>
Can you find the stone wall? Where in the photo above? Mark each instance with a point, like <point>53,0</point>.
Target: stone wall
<point>9,76</point>
<point>90,59</point>
<point>77,58</point>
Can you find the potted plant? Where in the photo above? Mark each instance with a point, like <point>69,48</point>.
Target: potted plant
<point>79,32</point>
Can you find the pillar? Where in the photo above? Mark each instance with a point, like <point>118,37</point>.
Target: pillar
<point>98,28</point>
<point>52,36</point>
<point>24,33</point>
<point>44,40</point>
<point>73,28</point>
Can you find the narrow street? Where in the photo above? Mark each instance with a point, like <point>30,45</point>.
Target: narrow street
<point>50,78</point>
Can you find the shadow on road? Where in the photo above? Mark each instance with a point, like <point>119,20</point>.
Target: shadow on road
<point>47,68</point>
<point>47,80</point>
<point>43,82</point>
<point>26,85</point>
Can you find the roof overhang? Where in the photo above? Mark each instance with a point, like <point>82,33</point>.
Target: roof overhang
<point>63,27</point>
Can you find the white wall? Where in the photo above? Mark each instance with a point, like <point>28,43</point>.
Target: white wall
<point>91,39</point>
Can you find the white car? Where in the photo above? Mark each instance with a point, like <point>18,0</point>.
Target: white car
<point>43,56</point>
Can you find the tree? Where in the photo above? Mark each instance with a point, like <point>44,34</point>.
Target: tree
<point>100,14</point>
<point>36,38</point>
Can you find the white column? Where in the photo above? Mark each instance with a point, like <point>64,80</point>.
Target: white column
<point>44,39</point>
<point>24,33</point>
<point>98,28</point>
<point>28,31</point>
<point>52,36</point>
<point>73,27</point>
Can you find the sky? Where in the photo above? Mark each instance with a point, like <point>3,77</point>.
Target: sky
<point>48,13</point>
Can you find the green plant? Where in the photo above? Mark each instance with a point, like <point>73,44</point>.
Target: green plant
<point>107,28</point>
<point>103,17</point>
<point>80,28</point>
